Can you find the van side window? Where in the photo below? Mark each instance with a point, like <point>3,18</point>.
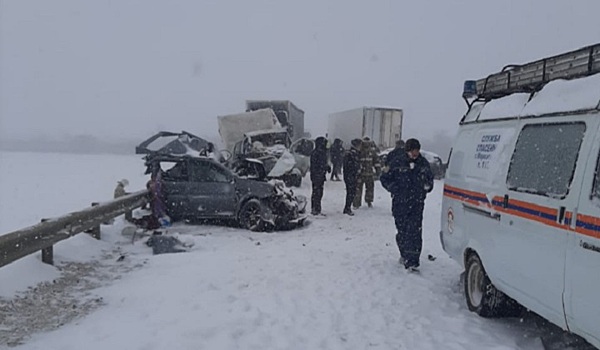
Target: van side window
<point>455,166</point>
<point>544,158</point>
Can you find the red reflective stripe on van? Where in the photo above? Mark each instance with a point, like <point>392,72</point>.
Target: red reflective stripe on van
<point>531,207</point>
<point>471,197</point>
<point>586,225</point>
<point>518,212</point>
<point>531,211</point>
<point>461,198</point>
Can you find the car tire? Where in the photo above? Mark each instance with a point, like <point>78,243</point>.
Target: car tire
<point>481,295</point>
<point>250,216</point>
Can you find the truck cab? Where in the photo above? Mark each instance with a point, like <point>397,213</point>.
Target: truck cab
<point>271,154</point>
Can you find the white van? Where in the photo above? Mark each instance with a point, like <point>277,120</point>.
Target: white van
<point>521,207</point>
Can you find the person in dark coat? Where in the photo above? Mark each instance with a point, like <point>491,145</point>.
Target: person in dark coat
<point>408,178</point>
<point>336,155</point>
<point>318,170</point>
<point>392,157</point>
<point>351,173</point>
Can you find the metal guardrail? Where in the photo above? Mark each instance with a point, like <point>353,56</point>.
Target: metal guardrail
<point>18,244</point>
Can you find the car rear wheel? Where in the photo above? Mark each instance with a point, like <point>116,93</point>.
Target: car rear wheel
<point>482,297</point>
<point>251,216</point>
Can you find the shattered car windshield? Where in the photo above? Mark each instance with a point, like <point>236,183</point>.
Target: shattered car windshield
<point>269,140</point>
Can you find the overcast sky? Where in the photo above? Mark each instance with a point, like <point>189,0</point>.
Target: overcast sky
<point>126,68</point>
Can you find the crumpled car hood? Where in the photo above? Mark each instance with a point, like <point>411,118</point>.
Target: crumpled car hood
<point>284,164</point>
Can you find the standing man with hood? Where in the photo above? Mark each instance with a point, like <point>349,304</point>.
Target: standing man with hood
<point>336,155</point>
<point>318,170</point>
<point>351,173</point>
<point>398,151</point>
<point>408,179</point>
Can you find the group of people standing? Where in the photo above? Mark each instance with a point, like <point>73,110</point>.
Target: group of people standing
<point>406,174</point>
<point>360,165</point>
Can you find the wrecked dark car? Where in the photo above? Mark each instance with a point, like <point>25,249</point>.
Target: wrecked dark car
<point>196,188</point>
<point>438,168</point>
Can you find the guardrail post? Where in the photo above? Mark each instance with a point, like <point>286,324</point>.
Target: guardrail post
<point>95,231</point>
<point>48,253</point>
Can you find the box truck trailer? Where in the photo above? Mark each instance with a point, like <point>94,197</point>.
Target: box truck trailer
<point>232,127</point>
<point>381,124</point>
<point>288,114</point>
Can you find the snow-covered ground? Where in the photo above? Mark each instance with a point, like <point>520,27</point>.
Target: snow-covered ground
<point>333,284</point>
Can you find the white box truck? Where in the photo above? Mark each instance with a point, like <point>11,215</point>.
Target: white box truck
<point>288,114</point>
<point>381,124</point>
<point>232,127</point>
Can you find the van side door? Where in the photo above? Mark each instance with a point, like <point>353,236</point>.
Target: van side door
<point>542,169</point>
<point>582,278</point>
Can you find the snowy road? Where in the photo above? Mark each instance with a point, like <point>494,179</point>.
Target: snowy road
<point>334,284</point>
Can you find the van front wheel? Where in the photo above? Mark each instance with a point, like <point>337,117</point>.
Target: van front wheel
<point>482,297</point>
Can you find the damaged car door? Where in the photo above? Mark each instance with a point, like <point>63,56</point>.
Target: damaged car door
<point>302,149</point>
<point>211,189</point>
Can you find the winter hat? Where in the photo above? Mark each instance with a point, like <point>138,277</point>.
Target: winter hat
<point>400,144</point>
<point>123,182</point>
<point>366,138</point>
<point>356,143</point>
<point>412,144</point>
<point>320,142</point>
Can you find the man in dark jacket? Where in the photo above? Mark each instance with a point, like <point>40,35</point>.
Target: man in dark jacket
<point>392,157</point>
<point>351,173</point>
<point>336,155</point>
<point>318,170</point>
<point>408,178</point>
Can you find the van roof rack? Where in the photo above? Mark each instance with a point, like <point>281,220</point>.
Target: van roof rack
<point>532,76</point>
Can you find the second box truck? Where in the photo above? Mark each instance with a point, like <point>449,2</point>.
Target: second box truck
<point>381,124</point>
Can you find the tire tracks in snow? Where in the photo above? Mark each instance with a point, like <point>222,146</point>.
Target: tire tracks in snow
<point>52,304</point>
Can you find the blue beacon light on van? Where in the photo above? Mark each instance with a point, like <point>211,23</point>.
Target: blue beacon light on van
<point>470,89</point>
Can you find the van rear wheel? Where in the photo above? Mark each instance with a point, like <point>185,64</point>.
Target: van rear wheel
<point>482,297</point>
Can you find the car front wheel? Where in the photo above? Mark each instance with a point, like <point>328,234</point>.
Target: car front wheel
<point>251,216</point>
